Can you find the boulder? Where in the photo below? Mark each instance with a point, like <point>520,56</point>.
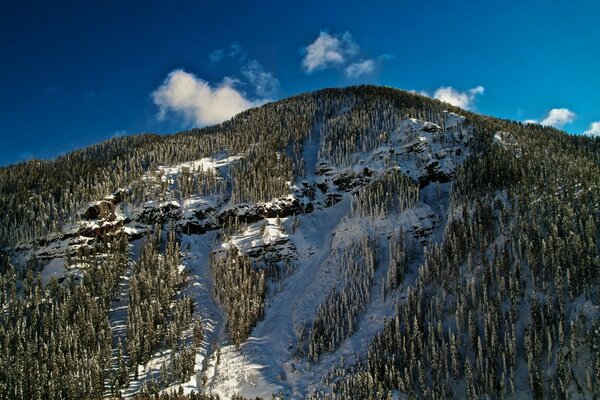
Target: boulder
<point>431,127</point>
<point>100,210</point>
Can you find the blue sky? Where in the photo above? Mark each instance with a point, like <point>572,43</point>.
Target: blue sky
<point>75,73</point>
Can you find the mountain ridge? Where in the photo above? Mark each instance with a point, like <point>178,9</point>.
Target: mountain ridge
<point>345,243</point>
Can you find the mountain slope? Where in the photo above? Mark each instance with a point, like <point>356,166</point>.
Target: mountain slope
<point>347,243</point>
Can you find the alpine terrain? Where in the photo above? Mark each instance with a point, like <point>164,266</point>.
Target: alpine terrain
<point>357,243</point>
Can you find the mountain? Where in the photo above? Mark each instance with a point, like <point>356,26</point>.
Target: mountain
<point>363,243</point>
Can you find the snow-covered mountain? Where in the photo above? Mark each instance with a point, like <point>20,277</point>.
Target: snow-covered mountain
<point>387,245</point>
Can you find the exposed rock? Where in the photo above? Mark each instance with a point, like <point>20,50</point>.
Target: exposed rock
<point>272,252</point>
<point>118,196</point>
<point>323,187</point>
<point>60,249</point>
<point>107,228</point>
<point>100,210</point>
<point>204,213</point>
<point>421,232</point>
<point>441,154</point>
<point>433,173</point>
<point>152,215</point>
<point>198,227</point>
<point>349,180</point>
<point>431,127</point>
<point>323,169</point>
<point>243,213</point>
<point>417,147</point>
<point>308,191</point>
<point>308,208</point>
<point>283,208</point>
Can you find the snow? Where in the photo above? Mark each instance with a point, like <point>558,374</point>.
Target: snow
<point>207,164</point>
<point>269,345</point>
<point>252,236</point>
<point>55,268</point>
<point>196,250</point>
<point>266,363</point>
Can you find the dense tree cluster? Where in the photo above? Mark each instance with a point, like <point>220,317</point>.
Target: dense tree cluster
<point>269,171</point>
<point>241,291</point>
<point>192,182</point>
<point>155,316</point>
<point>337,318</point>
<point>155,185</point>
<point>152,393</point>
<point>393,193</point>
<point>400,254</point>
<point>56,340</point>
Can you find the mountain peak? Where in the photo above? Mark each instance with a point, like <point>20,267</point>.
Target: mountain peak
<point>362,242</point>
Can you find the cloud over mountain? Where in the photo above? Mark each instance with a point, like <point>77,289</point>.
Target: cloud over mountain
<point>593,130</point>
<point>199,103</point>
<point>557,117</point>
<point>457,98</point>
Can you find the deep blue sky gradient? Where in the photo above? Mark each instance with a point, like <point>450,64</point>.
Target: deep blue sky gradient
<point>73,73</point>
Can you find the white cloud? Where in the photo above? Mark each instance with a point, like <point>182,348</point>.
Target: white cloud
<point>184,94</point>
<point>594,129</point>
<point>329,50</point>
<point>558,117</point>
<point>265,84</point>
<point>459,99</point>
<point>360,68</point>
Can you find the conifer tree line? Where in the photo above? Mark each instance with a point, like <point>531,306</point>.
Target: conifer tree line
<point>153,393</point>
<point>189,182</point>
<point>192,182</point>
<point>240,289</point>
<point>337,317</point>
<point>392,193</point>
<point>401,253</point>
<point>56,340</point>
<point>265,173</point>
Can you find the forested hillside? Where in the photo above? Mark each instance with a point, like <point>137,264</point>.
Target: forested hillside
<point>364,243</point>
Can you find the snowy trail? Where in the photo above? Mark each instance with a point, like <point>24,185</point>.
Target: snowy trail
<point>117,314</point>
<point>196,251</point>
